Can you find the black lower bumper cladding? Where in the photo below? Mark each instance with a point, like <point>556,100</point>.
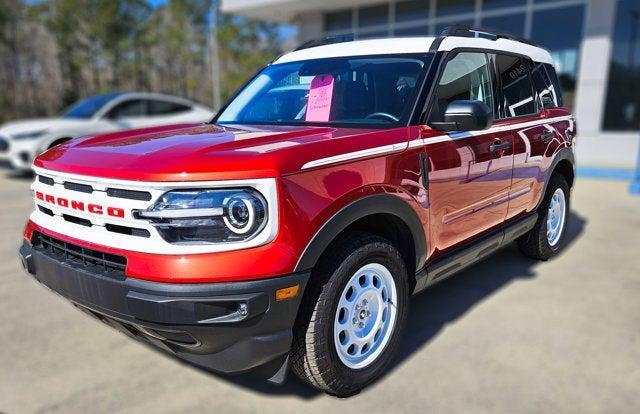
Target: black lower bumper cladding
<point>226,327</point>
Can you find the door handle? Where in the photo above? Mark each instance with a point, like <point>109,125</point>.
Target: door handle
<point>546,136</point>
<point>499,146</point>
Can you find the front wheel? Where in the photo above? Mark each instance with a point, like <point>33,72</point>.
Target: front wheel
<point>547,236</point>
<point>352,317</point>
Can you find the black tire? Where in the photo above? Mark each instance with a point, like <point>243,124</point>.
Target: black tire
<point>314,358</point>
<point>535,244</point>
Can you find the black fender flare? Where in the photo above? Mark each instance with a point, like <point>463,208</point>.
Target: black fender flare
<point>563,154</point>
<point>365,206</point>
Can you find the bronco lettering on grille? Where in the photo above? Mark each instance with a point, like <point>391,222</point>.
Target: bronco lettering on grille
<point>80,206</point>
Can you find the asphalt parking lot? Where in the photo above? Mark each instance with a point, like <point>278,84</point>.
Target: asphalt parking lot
<point>508,335</point>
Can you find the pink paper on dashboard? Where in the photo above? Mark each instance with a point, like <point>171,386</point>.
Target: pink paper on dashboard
<point>320,96</point>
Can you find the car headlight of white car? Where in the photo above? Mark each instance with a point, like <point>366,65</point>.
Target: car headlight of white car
<point>29,135</point>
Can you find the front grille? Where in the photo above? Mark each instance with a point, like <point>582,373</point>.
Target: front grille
<point>46,180</point>
<point>129,231</point>
<point>83,188</point>
<point>129,194</point>
<point>4,145</point>
<point>93,260</point>
<point>77,220</point>
<point>111,192</point>
<point>45,210</point>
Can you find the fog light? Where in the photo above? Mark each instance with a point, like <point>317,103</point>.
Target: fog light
<point>242,309</point>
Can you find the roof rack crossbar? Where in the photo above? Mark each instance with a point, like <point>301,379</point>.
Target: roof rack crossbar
<point>460,30</point>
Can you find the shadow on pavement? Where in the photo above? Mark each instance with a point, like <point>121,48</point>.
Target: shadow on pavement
<point>451,299</point>
<point>433,309</point>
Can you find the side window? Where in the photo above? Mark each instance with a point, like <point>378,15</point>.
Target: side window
<point>465,77</point>
<point>553,77</point>
<point>546,91</point>
<point>517,89</point>
<point>134,107</point>
<point>156,107</point>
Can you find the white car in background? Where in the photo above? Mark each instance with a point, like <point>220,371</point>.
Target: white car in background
<point>21,141</point>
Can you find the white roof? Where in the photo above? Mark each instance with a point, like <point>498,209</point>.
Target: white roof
<point>401,45</point>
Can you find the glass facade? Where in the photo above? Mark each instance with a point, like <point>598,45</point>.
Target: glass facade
<point>451,7</point>
<point>622,108</point>
<point>561,31</point>
<point>508,23</point>
<point>557,25</point>
<point>410,11</point>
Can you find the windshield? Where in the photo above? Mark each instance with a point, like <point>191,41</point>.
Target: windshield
<point>354,91</point>
<point>88,107</point>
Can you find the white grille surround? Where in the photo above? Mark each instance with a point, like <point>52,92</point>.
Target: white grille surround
<point>101,232</point>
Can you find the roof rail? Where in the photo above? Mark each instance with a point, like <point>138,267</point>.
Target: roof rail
<point>327,41</point>
<point>459,30</point>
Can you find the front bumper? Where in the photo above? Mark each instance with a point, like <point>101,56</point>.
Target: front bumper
<point>226,327</point>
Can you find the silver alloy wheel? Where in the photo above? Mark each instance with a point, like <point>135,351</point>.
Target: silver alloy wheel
<point>366,316</point>
<point>556,217</point>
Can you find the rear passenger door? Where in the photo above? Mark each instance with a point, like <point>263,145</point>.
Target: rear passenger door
<point>470,176</point>
<point>521,112</point>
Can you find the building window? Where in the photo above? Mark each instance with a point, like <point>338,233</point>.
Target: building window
<point>340,21</point>
<point>622,109</point>
<point>449,7</point>
<point>373,16</point>
<point>560,31</point>
<point>499,4</point>
<point>411,11</point>
<point>510,23</point>
<point>413,31</point>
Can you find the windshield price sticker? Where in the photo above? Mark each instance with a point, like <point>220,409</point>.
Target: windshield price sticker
<point>320,96</point>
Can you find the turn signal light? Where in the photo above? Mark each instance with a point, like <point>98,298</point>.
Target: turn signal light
<point>287,293</point>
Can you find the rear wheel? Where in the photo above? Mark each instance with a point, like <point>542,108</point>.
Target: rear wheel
<point>352,317</point>
<point>546,238</point>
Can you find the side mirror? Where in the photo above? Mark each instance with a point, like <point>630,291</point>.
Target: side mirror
<point>465,116</point>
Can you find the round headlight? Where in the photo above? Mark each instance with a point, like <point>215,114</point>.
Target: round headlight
<point>240,214</point>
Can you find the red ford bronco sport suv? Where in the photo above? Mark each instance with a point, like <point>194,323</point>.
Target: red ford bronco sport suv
<point>291,231</point>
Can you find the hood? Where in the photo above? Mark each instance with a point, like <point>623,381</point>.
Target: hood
<point>208,152</point>
<point>39,124</point>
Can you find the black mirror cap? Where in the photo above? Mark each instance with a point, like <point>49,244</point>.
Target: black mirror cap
<point>465,116</point>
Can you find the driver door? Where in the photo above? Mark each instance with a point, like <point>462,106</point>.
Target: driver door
<point>469,172</point>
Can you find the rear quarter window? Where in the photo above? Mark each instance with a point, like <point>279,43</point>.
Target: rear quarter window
<point>545,92</point>
<point>553,77</point>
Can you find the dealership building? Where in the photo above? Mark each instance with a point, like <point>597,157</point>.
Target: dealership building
<point>595,43</point>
